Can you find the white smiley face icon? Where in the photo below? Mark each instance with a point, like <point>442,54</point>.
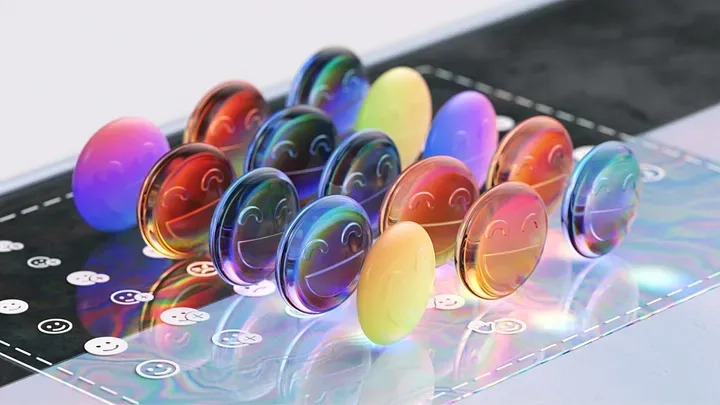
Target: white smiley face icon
<point>84,278</point>
<point>234,338</point>
<point>13,306</point>
<point>157,369</point>
<point>448,302</point>
<point>130,297</point>
<point>509,326</point>
<point>263,288</point>
<point>151,253</point>
<point>482,327</point>
<point>105,346</point>
<point>55,326</point>
<point>183,316</point>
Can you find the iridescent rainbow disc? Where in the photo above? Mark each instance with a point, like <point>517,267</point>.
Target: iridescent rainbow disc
<point>501,240</point>
<point>321,254</point>
<point>248,223</point>
<point>601,200</point>
<point>333,80</point>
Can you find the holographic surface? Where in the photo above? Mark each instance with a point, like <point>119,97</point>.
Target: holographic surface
<point>248,223</point>
<point>363,167</point>
<point>465,128</point>
<point>436,193</point>
<point>179,196</point>
<point>321,254</point>
<point>333,80</point>
<point>602,199</point>
<point>297,141</point>
<point>399,104</point>
<point>228,117</point>
<point>110,170</point>
<point>395,287</point>
<point>501,240</point>
<point>538,151</point>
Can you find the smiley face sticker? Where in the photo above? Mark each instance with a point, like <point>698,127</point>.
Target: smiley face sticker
<point>601,200</point>
<point>321,254</point>
<point>179,197</point>
<point>297,141</point>
<point>436,193</point>
<point>501,240</point>
<point>538,152</point>
<point>395,287</point>
<point>248,223</point>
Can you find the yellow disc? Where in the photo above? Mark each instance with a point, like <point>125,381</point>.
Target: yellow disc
<point>399,104</point>
<point>396,283</point>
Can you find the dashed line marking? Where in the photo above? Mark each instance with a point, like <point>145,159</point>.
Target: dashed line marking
<point>503,94</point>
<point>28,210</point>
<point>524,102</point>
<point>480,377</point>
<point>544,108</point>
<point>41,360</point>
<point>66,371</point>
<point>585,123</point>
<point>460,385</point>
<point>83,379</point>
<point>51,201</point>
<point>526,357</point>
<point>25,352</point>
<point>482,87</point>
<point>713,167</point>
<point>606,130</point>
<point>692,160</point>
<point>424,69</point>
<point>633,310</point>
<point>132,401</point>
<point>613,319</point>
<point>69,195</point>
<point>691,285</point>
<point>4,343</point>
<point>443,74</point>
<point>108,390</point>
<point>436,396</point>
<point>713,275</point>
<point>649,145</point>
<point>565,116</point>
<point>463,80</point>
<point>504,366</point>
<point>569,338</point>
<point>592,328</point>
<point>656,300</point>
<point>674,153</point>
<point>466,395</point>
<point>670,294</point>
<point>626,137</point>
<point>548,347</point>
<point>8,217</point>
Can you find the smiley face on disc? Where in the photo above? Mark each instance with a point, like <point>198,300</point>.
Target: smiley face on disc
<point>537,152</point>
<point>501,240</point>
<point>435,193</point>
<point>321,254</point>
<point>601,200</point>
<point>178,199</point>
<point>248,223</point>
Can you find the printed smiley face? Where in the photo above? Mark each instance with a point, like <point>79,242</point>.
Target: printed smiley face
<point>248,224</point>
<point>55,326</point>
<point>321,254</point>
<point>601,201</point>
<point>333,80</point>
<point>157,369</point>
<point>106,346</point>
<point>179,197</point>
<point>537,152</point>
<point>228,117</point>
<point>297,141</point>
<point>13,306</point>
<point>501,240</point>
<point>363,167</point>
<point>436,193</point>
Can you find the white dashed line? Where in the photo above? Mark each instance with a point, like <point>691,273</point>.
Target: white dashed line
<point>691,285</point>
<point>626,137</point>
<point>482,87</point>
<point>108,390</point>
<point>656,300</point>
<point>713,275</point>
<point>649,144</point>
<point>69,195</point>
<point>633,310</point>
<point>692,160</point>
<point>41,360</point>
<point>544,109</point>
<point>565,116</point>
<point>83,379</point>
<point>424,69</point>
<point>132,401</point>
<point>463,80</point>
<point>524,102</point>
<point>28,210</point>
<point>8,217</point>
<point>670,294</point>
<point>606,130</point>
<point>503,94</point>
<point>504,366</point>
<point>548,347</point>
<point>51,201</point>
<point>526,357</point>
<point>613,319</point>
<point>674,153</point>
<point>436,396</point>
<point>460,385</point>
<point>480,377</point>
<point>569,338</point>
<point>443,74</point>
<point>713,167</point>
<point>585,123</point>
<point>466,395</point>
<point>25,352</point>
<point>589,329</point>
<point>68,372</point>
<point>4,343</point>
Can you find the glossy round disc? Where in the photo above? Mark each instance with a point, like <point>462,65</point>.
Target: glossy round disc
<point>399,104</point>
<point>436,193</point>
<point>601,200</point>
<point>110,170</point>
<point>333,80</point>
<point>464,128</point>
<point>363,167</point>
<point>248,223</point>
<point>179,196</point>
<point>396,283</point>
<point>297,141</point>
<point>321,254</point>
<point>228,117</point>
<point>538,152</point>
<point>501,240</point>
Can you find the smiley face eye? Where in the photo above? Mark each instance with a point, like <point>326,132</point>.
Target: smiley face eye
<point>283,147</point>
<point>422,197</point>
<point>530,222</point>
<point>315,245</point>
<point>173,195</point>
<point>385,167</point>
<point>350,80</point>
<point>253,119</point>
<point>355,179</point>
<point>212,176</point>
<point>526,163</point>
<point>557,156</point>
<point>352,229</point>
<point>282,213</point>
<point>495,227</point>
<point>320,94</point>
<point>602,185</point>
<point>222,125</point>
<point>250,212</point>
<point>460,199</point>
<point>630,182</point>
<point>320,142</point>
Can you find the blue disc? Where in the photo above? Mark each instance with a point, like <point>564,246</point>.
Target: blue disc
<point>600,202</point>
<point>321,254</point>
<point>333,80</point>
<point>297,141</point>
<point>248,224</point>
<point>363,167</point>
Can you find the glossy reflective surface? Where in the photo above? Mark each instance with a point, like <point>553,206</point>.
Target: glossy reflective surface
<point>110,170</point>
<point>501,240</point>
<point>465,128</point>
<point>297,141</point>
<point>321,254</point>
<point>178,199</point>
<point>399,104</point>
<point>602,199</point>
<point>363,167</point>
<point>248,223</point>
<point>333,80</point>
<point>395,287</point>
<point>538,152</point>
<point>228,117</point>
<point>436,193</point>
